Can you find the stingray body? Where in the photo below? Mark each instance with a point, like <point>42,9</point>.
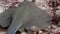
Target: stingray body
<point>24,16</point>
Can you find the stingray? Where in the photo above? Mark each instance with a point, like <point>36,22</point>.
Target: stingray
<point>24,16</point>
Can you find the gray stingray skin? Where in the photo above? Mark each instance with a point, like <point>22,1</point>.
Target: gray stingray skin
<point>26,15</point>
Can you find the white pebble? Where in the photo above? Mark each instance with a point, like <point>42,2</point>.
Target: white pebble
<point>23,33</point>
<point>58,12</point>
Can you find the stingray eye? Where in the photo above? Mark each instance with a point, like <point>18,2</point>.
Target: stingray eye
<point>53,3</point>
<point>33,0</point>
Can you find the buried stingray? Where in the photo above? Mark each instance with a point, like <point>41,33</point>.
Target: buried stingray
<point>24,16</point>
